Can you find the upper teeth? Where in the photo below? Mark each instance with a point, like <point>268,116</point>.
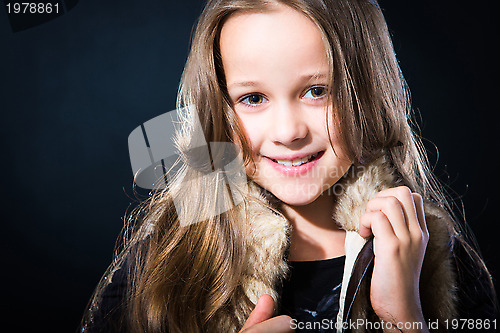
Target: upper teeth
<point>296,162</point>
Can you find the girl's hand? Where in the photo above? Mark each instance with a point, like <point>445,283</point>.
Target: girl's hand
<point>396,219</point>
<point>260,320</point>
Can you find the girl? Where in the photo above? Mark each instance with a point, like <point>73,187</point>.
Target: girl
<point>339,224</point>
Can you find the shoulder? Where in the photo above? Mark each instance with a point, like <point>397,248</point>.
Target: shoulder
<point>107,312</point>
<point>454,278</point>
<point>109,306</point>
<point>476,297</point>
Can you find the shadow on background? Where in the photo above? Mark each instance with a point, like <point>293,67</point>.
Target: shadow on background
<point>74,88</point>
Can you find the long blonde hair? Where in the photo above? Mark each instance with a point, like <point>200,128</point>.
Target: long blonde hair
<point>184,277</point>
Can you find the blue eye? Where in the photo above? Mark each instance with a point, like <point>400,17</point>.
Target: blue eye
<point>316,92</point>
<point>253,100</point>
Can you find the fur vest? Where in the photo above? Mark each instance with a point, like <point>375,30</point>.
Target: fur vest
<point>268,234</point>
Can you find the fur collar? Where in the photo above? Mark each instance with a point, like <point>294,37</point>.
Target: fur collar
<point>267,238</point>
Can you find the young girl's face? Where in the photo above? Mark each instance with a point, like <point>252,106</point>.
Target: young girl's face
<point>277,72</point>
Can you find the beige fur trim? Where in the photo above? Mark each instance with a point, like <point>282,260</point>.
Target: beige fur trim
<point>359,186</point>
<point>267,240</point>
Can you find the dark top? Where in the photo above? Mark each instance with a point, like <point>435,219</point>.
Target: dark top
<point>311,294</point>
<point>110,314</point>
<point>476,294</point>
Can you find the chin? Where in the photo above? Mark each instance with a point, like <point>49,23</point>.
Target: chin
<point>297,198</point>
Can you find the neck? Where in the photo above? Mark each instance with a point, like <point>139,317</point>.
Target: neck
<point>315,235</point>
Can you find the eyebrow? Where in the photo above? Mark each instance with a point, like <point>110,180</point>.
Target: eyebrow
<point>305,77</point>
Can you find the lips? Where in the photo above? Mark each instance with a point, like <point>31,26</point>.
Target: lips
<point>294,165</point>
<point>295,162</point>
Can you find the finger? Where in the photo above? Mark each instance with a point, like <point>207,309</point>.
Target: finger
<point>264,309</point>
<point>391,207</point>
<point>280,324</point>
<point>405,197</point>
<point>419,205</point>
<point>378,224</point>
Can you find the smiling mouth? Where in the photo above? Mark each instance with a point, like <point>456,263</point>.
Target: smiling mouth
<point>300,161</point>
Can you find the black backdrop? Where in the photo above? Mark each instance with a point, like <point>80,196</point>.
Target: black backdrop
<point>74,88</point>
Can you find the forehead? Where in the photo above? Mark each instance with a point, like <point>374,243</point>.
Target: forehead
<point>279,39</point>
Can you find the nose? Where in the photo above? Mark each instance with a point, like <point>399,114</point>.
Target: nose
<point>289,124</point>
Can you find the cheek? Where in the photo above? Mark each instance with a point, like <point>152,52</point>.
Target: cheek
<point>248,149</point>
<point>252,134</point>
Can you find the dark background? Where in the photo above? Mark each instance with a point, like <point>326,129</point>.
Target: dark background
<point>74,88</point>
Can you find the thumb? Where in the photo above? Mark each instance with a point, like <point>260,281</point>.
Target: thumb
<point>262,311</point>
